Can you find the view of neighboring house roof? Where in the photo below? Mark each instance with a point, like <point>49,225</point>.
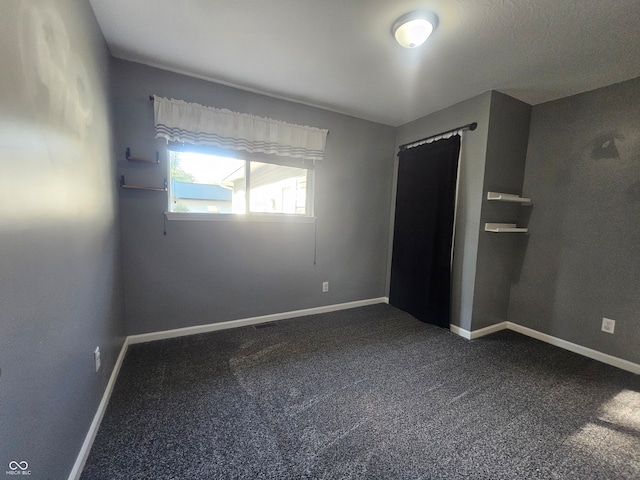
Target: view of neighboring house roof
<point>200,191</point>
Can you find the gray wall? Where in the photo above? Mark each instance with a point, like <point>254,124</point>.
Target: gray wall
<point>499,254</point>
<point>59,267</point>
<point>582,261</point>
<point>472,165</point>
<point>207,272</point>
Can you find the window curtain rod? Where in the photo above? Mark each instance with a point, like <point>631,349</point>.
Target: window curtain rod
<point>415,143</point>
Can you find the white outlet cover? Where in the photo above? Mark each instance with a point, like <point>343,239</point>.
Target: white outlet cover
<point>325,286</point>
<point>608,325</point>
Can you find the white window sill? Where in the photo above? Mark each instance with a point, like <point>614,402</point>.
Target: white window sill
<point>231,217</point>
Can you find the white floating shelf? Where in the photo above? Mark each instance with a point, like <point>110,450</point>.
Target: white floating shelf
<point>504,228</point>
<point>507,197</point>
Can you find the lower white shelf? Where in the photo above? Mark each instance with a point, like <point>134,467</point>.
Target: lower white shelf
<point>504,228</point>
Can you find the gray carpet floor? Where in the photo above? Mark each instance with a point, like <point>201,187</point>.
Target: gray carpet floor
<point>368,393</point>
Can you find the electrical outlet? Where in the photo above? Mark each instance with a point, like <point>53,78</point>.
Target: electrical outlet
<point>608,325</point>
<point>325,286</point>
<point>96,357</point>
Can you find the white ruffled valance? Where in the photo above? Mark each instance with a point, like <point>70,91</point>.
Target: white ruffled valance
<point>179,121</point>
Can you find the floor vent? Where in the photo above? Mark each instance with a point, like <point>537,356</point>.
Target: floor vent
<point>266,325</point>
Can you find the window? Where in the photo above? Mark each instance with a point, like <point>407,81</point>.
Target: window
<point>220,184</point>
<point>225,164</point>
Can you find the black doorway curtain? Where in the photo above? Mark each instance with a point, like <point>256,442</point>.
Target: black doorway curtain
<point>425,207</point>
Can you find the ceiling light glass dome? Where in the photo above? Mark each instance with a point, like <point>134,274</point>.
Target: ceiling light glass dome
<point>413,29</point>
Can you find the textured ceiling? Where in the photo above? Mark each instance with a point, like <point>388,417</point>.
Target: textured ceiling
<point>340,55</point>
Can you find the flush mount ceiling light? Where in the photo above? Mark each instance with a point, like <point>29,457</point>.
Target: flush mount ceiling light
<point>413,29</point>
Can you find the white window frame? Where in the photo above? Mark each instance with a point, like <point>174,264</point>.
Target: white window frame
<point>308,217</point>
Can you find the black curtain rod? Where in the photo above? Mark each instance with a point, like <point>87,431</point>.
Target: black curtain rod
<point>469,126</point>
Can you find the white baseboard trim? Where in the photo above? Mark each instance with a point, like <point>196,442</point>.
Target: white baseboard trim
<point>211,327</point>
<point>575,348</point>
<point>478,333</point>
<point>558,342</point>
<point>460,331</point>
<point>81,459</point>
